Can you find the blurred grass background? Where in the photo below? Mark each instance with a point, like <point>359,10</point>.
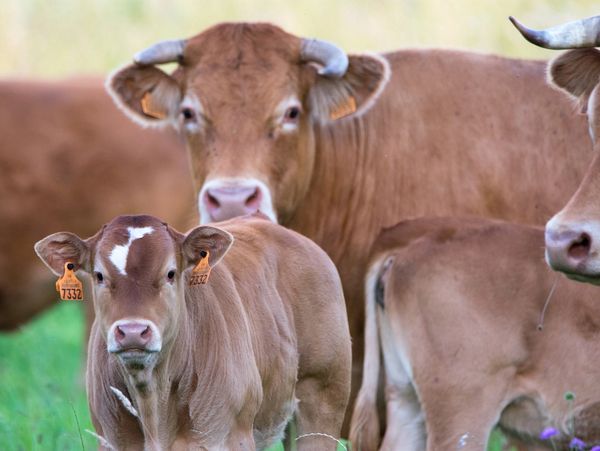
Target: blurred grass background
<point>62,37</point>
<point>42,403</point>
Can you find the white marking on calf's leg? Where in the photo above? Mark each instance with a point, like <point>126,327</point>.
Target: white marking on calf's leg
<point>118,255</point>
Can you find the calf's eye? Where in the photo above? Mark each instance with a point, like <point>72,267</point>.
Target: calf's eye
<point>171,275</point>
<point>99,277</point>
<point>188,114</point>
<point>291,114</point>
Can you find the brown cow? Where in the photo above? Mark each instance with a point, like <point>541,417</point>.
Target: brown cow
<point>68,158</point>
<point>434,132</point>
<point>215,366</point>
<point>573,235</point>
<point>455,306</point>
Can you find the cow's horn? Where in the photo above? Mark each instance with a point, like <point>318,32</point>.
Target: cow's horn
<point>161,52</point>
<point>333,59</point>
<point>577,34</point>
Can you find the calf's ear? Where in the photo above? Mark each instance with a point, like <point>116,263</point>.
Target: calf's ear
<point>577,72</point>
<point>146,94</point>
<point>59,248</point>
<point>206,238</point>
<point>354,93</point>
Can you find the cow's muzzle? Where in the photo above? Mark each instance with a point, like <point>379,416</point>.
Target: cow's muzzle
<point>570,248</point>
<point>222,199</point>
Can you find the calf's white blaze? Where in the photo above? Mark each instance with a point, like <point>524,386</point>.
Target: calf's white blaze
<point>118,256</point>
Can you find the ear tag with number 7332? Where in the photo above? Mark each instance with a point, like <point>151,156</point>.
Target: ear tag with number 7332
<point>69,287</point>
<point>201,271</point>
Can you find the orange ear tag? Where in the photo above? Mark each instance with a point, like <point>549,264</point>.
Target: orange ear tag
<point>344,109</point>
<point>69,287</point>
<point>201,271</point>
<point>151,109</point>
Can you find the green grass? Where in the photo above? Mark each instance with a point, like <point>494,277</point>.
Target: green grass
<point>42,396</point>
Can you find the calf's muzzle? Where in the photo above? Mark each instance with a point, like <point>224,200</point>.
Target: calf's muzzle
<point>133,335</point>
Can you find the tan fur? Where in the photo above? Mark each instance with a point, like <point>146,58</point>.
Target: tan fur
<point>449,133</point>
<point>462,301</point>
<point>268,328</point>
<point>70,160</point>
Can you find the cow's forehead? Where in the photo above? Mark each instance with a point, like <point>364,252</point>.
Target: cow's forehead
<point>135,246</point>
<point>232,63</point>
<point>231,45</point>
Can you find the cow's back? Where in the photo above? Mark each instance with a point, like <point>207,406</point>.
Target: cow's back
<point>453,133</point>
<point>302,279</point>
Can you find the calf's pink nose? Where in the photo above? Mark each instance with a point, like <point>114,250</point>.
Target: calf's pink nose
<point>133,335</point>
<point>230,201</point>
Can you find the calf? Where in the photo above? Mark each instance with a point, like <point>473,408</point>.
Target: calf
<point>457,309</point>
<point>221,365</point>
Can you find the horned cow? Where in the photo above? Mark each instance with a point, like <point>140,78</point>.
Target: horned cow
<point>573,234</point>
<point>336,146</point>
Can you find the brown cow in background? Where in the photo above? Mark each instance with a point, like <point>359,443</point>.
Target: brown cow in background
<point>68,159</point>
<point>337,146</point>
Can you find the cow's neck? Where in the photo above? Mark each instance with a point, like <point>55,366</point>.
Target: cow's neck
<point>155,392</point>
<point>349,199</point>
<point>201,363</point>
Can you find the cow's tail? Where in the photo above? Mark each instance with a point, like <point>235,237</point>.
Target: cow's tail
<point>365,433</point>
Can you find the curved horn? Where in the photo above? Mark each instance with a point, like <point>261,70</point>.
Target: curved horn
<point>161,52</point>
<point>333,59</point>
<point>577,34</point>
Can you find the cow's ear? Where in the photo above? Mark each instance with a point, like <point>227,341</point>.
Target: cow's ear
<point>577,72</point>
<point>206,238</point>
<point>59,248</point>
<point>354,93</point>
<point>146,94</point>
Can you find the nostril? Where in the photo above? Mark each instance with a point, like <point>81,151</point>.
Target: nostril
<point>253,198</point>
<point>146,333</point>
<point>212,201</point>
<point>580,248</point>
<point>119,334</point>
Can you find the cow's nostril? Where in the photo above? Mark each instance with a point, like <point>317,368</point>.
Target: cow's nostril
<point>119,333</point>
<point>252,198</point>
<point>580,248</point>
<point>146,332</point>
<point>212,200</point>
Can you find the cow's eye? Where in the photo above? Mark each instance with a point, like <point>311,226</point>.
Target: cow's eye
<point>99,277</point>
<point>188,114</point>
<point>292,114</point>
<point>171,275</point>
